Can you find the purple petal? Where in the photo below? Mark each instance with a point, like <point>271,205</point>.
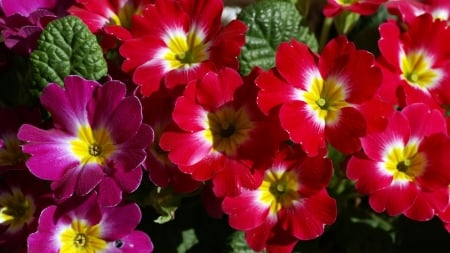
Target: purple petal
<point>109,193</point>
<point>129,181</point>
<point>50,152</point>
<point>135,242</point>
<point>46,230</point>
<point>131,154</point>
<point>69,107</point>
<point>25,7</point>
<point>65,187</point>
<point>105,101</point>
<point>119,221</point>
<point>125,120</point>
<point>89,177</point>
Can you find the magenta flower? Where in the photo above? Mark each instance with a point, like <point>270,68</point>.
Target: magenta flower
<point>82,225</point>
<point>22,198</point>
<point>98,140</point>
<point>22,22</point>
<point>11,155</point>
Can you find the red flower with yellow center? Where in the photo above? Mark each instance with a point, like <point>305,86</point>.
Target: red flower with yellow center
<point>290,204</point>
<point>406,168</point>
<point>222,132</point>
<point>363,7</point>
<point>178,41</point>
<point>414,67</point>
<point>320,97</point>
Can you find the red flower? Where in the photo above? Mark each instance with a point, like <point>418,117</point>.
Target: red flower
<point>176,41</point>
<point>223,132</point>
<point>157,110</point>
<point>319,97</point>
<point>406,167</point>
<point>363,7</point>
<point>415,63</point>
<point>111,18</point>
<point>408,10</point>
<point>290,204</point>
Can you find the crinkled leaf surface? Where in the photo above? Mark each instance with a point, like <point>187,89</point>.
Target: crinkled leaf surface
<point>67,47</point>
<point>269,23</point>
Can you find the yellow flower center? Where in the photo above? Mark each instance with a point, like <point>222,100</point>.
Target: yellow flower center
<point>10,152</point>
<point>123,17</point>
<point>346,2</point>
<point>185,50</point>
<point>417,71</point>
<point>279,189</point>
<point>92,146</point>
<point>326,98</point>
<point>81,238</point>
<point>227,129</point>
<point>16,209</point>
<point>405,163</point>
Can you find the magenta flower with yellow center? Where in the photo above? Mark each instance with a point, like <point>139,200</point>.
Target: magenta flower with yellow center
<point>82,225</point>
<point>98,140</point>
<point>22,198</point>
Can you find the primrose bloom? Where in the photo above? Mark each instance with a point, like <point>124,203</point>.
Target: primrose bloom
<point>408,10</point>
<point>290,204</point>
<point>98,140</point>
<point>405,170</point>
<point>22,198</point>
<point>24,20</point>
<point>161,171</point>
<point>222,132</point>
<point>11,155</point>
<point>178,41</point>
<point>319,97</point>
<point>113,17</point>
<point>82,225</point>
<point>415,62</point>
<point>363,7</point>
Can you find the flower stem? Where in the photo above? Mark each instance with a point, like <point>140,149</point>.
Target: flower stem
<point>325,32</point>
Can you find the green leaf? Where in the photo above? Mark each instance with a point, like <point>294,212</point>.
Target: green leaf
<point>189,239</point>
<point>67,47</point>
<point>165,202</point>
<point>238,243</point>
<point>269,23</point>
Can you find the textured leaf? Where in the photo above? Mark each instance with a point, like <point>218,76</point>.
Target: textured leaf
<point>65,47</point>
<point>270,23</point>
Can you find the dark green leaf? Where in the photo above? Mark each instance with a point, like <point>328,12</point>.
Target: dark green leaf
<point>65,47</point>
<point>270,23</point>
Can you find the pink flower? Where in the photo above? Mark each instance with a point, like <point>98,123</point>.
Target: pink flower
<point>405,170</point>
<point>176,41</point>
<point>82,225</point>
<point>98,140</point>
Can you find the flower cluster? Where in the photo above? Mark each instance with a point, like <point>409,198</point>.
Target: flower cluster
<point>325,130</point>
